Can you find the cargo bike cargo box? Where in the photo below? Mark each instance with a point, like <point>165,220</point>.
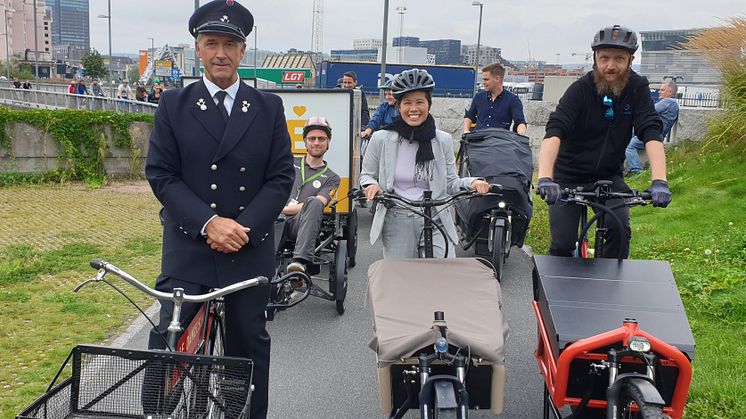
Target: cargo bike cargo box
<point>403,295</point>
<point>580,298</point>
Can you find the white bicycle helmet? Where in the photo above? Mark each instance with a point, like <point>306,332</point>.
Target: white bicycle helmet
<point>410,81</point>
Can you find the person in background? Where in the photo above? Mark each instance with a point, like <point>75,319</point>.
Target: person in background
<point>668,110</point>
<point>141,94</point>
<point>82,89</point>
<point>124,91</point>
<point>26,85</point>
<point>349,81</point>
<point>495,107</point>
<point>385,113</point>
<point>72,88</point>
<point>96,89</point>
<point>155,96</point>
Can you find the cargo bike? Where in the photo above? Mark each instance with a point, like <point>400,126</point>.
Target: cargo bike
<point>613,337</point>
<point>439,327</point>
<point>336,247</point>
<point>493,224</point>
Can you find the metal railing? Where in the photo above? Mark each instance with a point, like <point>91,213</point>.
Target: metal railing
<point>56,100</point>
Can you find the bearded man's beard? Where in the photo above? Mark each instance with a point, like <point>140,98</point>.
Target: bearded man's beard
<point>613,88</point>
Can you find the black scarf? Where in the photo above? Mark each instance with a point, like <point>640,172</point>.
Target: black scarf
<point>423,135</point>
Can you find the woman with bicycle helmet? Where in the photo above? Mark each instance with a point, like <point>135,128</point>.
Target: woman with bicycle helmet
<point>407,157</point>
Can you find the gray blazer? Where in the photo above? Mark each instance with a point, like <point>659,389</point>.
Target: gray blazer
<point>379,164</point>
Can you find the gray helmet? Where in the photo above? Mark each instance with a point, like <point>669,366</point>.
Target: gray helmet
<point>410,81</point>
<point>386,85</point>
<point>615,37</point>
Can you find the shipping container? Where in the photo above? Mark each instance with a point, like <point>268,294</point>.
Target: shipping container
<point>450,80</point>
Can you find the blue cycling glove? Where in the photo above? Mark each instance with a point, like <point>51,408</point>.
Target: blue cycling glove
<point>660,194</point>
<point>549,190</point>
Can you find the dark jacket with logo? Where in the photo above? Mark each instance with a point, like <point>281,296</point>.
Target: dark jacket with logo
<point>592,147</point>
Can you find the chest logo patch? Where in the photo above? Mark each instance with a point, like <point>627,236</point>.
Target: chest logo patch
<point>316,184</point>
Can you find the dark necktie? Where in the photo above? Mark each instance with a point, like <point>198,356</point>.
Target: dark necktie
<point>221,104</point>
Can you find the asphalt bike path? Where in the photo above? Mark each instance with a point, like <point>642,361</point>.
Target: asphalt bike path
<point>321,365</point>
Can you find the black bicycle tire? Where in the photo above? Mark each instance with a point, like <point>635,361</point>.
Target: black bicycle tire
<point>352,226</point>
<point>631,392</point>
<point>498,252</point>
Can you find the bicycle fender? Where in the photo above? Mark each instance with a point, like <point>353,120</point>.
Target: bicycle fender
<point>650,394</point>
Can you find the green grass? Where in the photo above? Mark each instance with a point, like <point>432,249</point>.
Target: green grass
<point>50,234</point>
<point>703,235</point>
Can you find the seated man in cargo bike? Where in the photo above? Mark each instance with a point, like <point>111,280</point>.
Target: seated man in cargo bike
<point>314,187</point>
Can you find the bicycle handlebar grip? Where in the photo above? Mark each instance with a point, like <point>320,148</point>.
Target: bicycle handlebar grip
<point>646,195</point>
<point>565,193</point>
<point>98,264</point>
<point>496,188</point>
<point>262,280</point>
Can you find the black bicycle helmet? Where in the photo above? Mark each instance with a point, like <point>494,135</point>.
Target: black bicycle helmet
<point>410,81</point>
<point>615,37</point>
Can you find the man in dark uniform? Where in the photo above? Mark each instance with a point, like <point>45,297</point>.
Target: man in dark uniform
<point>314,187</point>
<point>220,164</point>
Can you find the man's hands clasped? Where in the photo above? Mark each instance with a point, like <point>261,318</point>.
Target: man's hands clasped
<point>225,235</point>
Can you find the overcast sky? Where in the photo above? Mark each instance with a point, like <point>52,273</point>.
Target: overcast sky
<point>543,27</point>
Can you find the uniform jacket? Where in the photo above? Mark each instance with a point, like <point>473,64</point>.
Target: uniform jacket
<point>379,165</point>
<point>591,147</point>
<point>198,166</point>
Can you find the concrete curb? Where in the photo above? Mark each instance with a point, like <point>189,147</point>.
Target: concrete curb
<point>136,327</point>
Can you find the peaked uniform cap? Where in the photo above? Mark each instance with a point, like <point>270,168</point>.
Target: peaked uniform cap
<point>226,17</point>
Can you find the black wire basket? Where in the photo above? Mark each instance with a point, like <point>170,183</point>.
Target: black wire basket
<point>126,383</point>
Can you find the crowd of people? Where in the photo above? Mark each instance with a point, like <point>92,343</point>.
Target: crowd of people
<point>141,92</point>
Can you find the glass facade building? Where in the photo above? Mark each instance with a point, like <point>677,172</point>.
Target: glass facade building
<point>70,28</point>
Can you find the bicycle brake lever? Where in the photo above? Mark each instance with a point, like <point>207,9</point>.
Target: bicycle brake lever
<point>99,277</point>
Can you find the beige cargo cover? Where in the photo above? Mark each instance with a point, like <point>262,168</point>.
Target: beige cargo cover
<point>403,294</point>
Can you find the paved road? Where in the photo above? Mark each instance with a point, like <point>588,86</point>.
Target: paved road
<point>322,367</point>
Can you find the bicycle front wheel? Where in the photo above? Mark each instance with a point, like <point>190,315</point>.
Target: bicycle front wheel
<point>498,252</point>
<point>632,393</point>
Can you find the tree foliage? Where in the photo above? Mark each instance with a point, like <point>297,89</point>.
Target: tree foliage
<point>94,65</point>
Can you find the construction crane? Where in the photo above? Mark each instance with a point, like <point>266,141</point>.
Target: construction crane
<point>317,27</point>
<point>163,53</point>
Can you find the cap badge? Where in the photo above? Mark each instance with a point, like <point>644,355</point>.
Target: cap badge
<point>224,19</point>
<point>201,104</point>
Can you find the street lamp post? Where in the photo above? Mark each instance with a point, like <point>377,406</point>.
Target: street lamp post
<point>384,41</point>
<point>151,56</point>
<point>479,41</point>
<point>195,70</point>
<point>111,58</point>
<point>36,49</point>
<point>7,45</point>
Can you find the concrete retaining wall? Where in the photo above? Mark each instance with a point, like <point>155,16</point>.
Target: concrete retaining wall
<point>35,151</point>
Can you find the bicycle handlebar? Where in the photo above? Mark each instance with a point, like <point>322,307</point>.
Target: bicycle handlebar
<point>568,193</point>
<point>384,197</point>
<point>105,267</point>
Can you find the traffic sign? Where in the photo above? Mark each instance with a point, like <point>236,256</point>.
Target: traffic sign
<point>175,74</point>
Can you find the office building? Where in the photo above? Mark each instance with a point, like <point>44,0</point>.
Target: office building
<point>663,56</point>
<point>70,29</point>
<point>354,54</point>
<point>367,43</point>
<point>487,55</point>
<point>446,51</point>
<point>18,35</point>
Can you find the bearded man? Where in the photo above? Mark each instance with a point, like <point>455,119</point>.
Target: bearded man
<point>586,137</point>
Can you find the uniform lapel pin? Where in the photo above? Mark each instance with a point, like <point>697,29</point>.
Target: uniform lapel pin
<point>245,106</point>
<point>201,104</point>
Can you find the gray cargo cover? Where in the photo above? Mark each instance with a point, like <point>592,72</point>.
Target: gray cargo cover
<point>403,294</point>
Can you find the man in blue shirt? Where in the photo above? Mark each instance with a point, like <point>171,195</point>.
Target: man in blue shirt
<point>495,107</point>
<point>668,110</point>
